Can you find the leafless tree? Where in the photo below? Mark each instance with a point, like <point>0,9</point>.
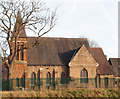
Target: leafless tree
<point>35,16</point>
<point>93,43</point>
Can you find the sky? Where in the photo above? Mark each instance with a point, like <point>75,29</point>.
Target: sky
<point>93,19</point>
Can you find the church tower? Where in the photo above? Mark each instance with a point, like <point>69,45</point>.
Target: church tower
<point>21,40</point>
<point>19,67</point>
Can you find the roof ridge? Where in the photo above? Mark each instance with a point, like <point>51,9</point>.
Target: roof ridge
<point>95,47</point>
<point>55,37</point>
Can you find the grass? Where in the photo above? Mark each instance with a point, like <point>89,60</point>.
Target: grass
<point>76,93</point>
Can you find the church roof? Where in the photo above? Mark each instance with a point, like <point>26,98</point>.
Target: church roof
<point>53,51</point>
<point>19,26</point>
<point>58,51</point>
<point>104,67</point>
<point>115,64</point>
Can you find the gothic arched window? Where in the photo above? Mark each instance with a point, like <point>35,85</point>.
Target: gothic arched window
<point>23,80</point>
<point>63,79</point>
<point>17,56</point>
<point>22,52</point>
<point>38,74</point>
<point>53,74</point>
<point>33,78</point>
<point>48,78</point>
<point>84,76</point>
<point>17,82</point>
<point>53,77</point>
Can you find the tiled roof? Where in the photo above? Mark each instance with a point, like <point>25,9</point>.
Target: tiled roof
<point>104,67</point>
<point>115,64</point>
<point>53,51</point>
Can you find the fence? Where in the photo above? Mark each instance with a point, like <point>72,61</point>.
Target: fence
<point>57,83</point>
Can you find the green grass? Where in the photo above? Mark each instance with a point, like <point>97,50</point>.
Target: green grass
<point>76,93</point>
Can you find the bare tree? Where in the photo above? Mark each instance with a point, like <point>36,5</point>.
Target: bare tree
<point>93,43</point>
<point>34,16</point>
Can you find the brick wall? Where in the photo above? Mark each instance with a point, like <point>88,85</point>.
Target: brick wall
<point>83,59</point>
<point>45,69</point>
<point>19,68</point>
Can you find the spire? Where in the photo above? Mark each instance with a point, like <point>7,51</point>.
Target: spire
<point>19,26</point>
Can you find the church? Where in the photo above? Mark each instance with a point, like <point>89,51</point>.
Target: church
<point>51,58</point>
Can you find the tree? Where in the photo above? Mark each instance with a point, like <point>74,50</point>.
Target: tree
<point>33,16</point>
<point>92,43</point>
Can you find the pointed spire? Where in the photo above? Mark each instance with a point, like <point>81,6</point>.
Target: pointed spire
<point>19,26</point>
<point>19,19</point>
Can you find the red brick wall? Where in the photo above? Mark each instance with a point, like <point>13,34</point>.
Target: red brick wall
<point>18,70</point>
<point>19,67</point>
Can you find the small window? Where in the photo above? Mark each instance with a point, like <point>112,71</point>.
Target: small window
<point>48,78</point>
<point>53,74</point>
<point>33,78</point>
<point>17,56</point>
<point>17,82</point>
<point>106,82</point>
<point>53,77</point>
<point>63,79</point>
<point>23,81</point>
<point>22,52</point>
<point>38,77</point>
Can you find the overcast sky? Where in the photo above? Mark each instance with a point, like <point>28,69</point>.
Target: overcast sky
<point>94,19</point>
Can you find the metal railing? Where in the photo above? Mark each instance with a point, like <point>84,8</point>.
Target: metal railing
<point>58,83</point>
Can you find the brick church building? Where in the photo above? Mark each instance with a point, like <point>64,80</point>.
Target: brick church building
<point>59,58</point>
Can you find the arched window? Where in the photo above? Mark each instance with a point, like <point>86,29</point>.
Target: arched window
<point>38,74</point>
<point>23,81</point>
<point>106,82</point>
<point>63,79</point>
<point>84,76</point>
<point>17,56</point>
<point>48,78</point>
<point>53,74</point>
<point>39,79</point>
<point>17,82</point>
<point>33,78</point>
<point>22,52</point>
<point>53,78</point>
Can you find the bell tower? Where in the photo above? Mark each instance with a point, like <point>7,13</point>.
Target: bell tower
<point>19,66</point>
<point>21,40</point>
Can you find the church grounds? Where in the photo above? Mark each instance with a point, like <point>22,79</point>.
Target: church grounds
<point>113,93</point>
